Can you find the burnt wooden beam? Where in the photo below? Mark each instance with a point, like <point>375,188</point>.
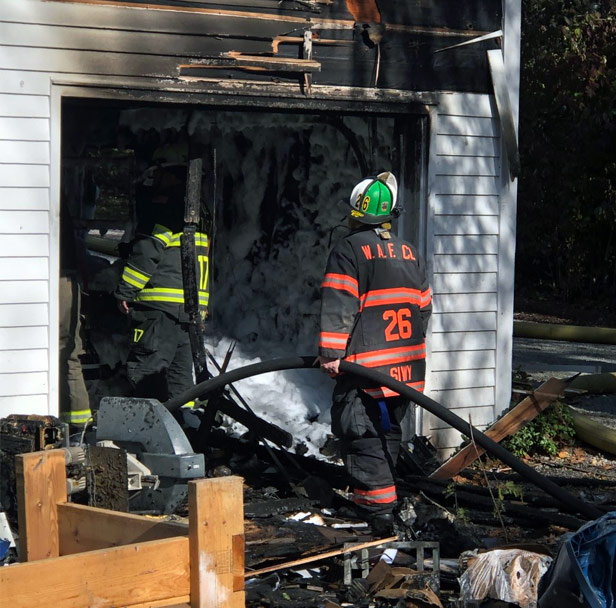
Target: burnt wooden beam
<point>270,64</point>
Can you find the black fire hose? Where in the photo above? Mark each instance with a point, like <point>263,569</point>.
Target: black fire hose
<point>588,510</point>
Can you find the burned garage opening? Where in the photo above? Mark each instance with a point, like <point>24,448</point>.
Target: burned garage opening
<point>274,199</point>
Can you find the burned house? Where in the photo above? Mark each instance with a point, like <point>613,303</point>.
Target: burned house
<point>289,104</point>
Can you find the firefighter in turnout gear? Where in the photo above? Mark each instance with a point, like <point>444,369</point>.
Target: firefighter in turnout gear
<point>375,308</point>
<point>150,291</point>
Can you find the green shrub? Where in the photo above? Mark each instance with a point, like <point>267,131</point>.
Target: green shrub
<point>545,434</point>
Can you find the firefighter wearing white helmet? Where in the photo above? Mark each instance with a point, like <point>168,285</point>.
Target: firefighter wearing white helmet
<point>375,307</point>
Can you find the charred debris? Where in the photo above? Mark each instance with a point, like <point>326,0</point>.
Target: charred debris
<point>305,546</point>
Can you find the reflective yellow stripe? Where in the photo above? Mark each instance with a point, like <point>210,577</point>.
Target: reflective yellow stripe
<point>134,277</point>
<point>189,404</point>
<point>174,240</point>
<point>169,295</point>
<point>132,282</point>
<point>77,417</point>
<point>162,233</point>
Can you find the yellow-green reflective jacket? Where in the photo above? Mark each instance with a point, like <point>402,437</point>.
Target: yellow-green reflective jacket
<point>152,276</point>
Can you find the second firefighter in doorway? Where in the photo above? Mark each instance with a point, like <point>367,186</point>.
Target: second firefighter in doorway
<point>375,308</point>
<point>150,291</point>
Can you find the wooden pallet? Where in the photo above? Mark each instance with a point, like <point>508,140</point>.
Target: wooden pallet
<point>75,556</point>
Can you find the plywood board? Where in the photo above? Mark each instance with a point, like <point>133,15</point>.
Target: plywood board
<point>89,529</point>
<point>121,576</point>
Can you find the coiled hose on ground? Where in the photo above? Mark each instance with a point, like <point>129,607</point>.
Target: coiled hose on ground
<point>572,502</point>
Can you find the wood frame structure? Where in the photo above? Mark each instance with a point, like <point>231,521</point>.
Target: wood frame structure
<point>79,556</point>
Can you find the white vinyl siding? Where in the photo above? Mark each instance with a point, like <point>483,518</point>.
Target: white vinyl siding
<point>119,48</point>
<point>465,170</point>
<point>24,243</point>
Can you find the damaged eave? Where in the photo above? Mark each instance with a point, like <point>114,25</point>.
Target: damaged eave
<point>314,23</point>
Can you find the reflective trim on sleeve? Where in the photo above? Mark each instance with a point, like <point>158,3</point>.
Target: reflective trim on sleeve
<point>343,282</point>
<point>426,298</point>
<point>134,277</point>
<point>337,341</point>
<point>162,233</point>
<point>175,240</point>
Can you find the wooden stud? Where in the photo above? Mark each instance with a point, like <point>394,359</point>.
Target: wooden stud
<point>41,485</point>
<point>216,516</point>
<point>513,420</point>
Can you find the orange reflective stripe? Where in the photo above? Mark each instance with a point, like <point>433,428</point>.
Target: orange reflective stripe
<point>389,356</point>
<point>426,298</point>
<point>333,340</point>
<point>383,392</point>
<point>343,282</point>
<point>395,295</point>
<point>380,496</point>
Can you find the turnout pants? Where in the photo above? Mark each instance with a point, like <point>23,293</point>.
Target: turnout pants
<point>159,363</point>
<point>370,433</point>
<point>74,398</point>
